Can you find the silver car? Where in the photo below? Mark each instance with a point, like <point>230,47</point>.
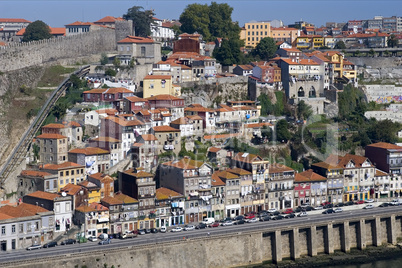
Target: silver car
<point>34,246</point>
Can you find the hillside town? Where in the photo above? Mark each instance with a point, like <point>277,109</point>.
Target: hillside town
<point>134,154</point>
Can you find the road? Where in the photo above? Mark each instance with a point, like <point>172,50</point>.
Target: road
<point>152,239</point>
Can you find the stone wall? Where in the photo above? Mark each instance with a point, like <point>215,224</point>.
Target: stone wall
<point>22,55</point>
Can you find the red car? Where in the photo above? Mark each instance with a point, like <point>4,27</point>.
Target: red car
<point>359,202</point>
<point>249,216</point>
<point>215,224</point>
<point>288,211</point>
<point>325,203</point>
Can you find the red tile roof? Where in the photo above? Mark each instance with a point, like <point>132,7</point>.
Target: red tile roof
<point>110,200</point>
<point>163,193</point>
<point>71,189</point>
<point>138,174</point>
<point>214,149</point>
<point>150,77</point>
<point>64,165</point>
<point>107,111</point>
<point>89,151</point>
<point>112,90</point>
<point>22,210</point>
<point>165,129</point>
<point>54,125</point>
<point>51,136</point>
<point>109,19</point>
<point>149,137</point>
<point>135,99</point>
<point>102,177</point>
<point>124,122</point>
<point>221,136</point>
<point>247,157</point>
<point>35,173</point>
<point>106,139</point>
<point>136,40</point>
<point>385,145</point>
<point>308,176</point>
<point>164,97</point>
<point>125,198</point>
<point>80,23</point>
<point>216,181</point>
<point>278,168</point>
<point>44,195</point>
<point>14,20</point>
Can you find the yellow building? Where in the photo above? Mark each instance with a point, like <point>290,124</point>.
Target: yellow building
<point>94,194</point>
<point>318,41</point>
<point>303,42</point>
<point>68,172</point>
<point>255,31</point>
<point>285,34</point>
<point>158,84</point>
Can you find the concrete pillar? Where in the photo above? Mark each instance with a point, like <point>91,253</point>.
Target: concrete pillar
<point>377,232</point>
<point>294,244</point>
<point>277,249</point>
<point>311,241</point>
<point>391,229</point>
<point>361,234</point>
<point>329,239</point>
<point>345,237</point>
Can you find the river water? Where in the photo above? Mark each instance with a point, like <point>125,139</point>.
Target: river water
<point>389,263</point>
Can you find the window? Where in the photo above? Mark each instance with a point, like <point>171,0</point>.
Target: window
<point>13,228</point>
<point>3,230</point>
<point>143,51</point>
<point>21,228</point>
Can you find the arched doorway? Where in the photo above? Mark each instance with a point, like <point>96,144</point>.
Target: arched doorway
<point>312,92</point>
<point>300,92</point>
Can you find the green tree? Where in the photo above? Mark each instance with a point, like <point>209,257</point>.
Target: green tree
<point>304,110</point>
<point>195,18</point>
<point>110,72</point>
<point>282,131</point>
<point>37,30</point>
<point>59,110</point>
<point>371,52</point>
<point>340,45</point>
<point>116,62</point>
<point>35,149</point>
<point>104,59</point>
<point>76,82</point>
<point>229,52</point>
<point>384,130</point>
<point>392,41</point>
<point>266,105</point>
<point>265,49</point>
<point>142,20</point>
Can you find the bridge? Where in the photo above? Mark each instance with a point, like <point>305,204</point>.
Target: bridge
<point>230,245</point>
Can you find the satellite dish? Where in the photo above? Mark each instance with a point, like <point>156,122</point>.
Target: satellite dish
<point>63,194</point>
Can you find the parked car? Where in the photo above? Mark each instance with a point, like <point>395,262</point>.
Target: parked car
<point>325,203</point>
<point>370,206</point>
<point>302,214</point>
<point>384,205</point>
<point>328,211</point>
<point>359,202</point>
<point>68,241</point>
<point>278,217</point>
<point>50,244</point>
<point>177,229</point>
<point>240,222</point>
<point>141,232</point>
<point>339,205</point>
<point>275,213</point>
<point>103,236</point>
<point>318,207</point>
<point>290,216</point>
<point>215,224</point>
<point>249,216</point>
<point>34,246</point>
<point>240,217</point>
<point>147,231</point>
<point>266,218</point>
<point>349,203</point>
<point>201,226</point>
<point>288,211</point>
<point>309,208</point>
<point>328,206</point>
<point>369,201</point>
<point>189,227</point>
<point>104,242</point>
<point>252,220</point>
<point>92,238</point>
<point>272,210</point>
<point>337,210</point>
<point>227,223</point>
<point>163,229</point>
<point>128,235</point>
<point>154,230</point>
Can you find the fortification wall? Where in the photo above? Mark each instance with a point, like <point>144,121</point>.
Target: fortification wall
<point>22,55</point>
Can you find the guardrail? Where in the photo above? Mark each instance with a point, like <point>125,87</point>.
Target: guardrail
<point>15,158</point>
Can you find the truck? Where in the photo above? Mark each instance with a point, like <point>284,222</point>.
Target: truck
<point>128,235</point>
<point>208,221</point>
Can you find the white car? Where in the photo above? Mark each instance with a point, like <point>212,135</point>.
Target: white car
<point>302,214</point>
<point>177,229</point>
<point>337,210</point>
<point>369,201</point>
<point>318,207</point>
<point>272,210</point>
<point>255,219</point>
<point>92,238</point>
<point>227,223</point>
<point>189,227</point>
<point>369,206</point>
